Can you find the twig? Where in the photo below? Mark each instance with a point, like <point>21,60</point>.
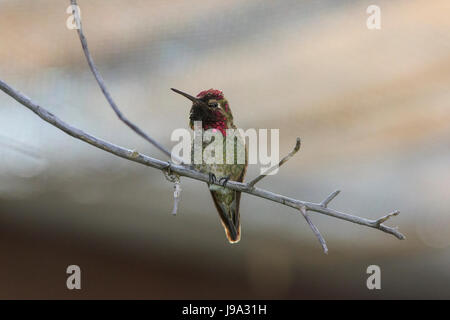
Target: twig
<point>271,169</point>
<point>185,171</point>
<point>175,179</point>
<point>386,217</point>
<point>105,90</point>
<point>176,196</point>
<point>314,229</point>
<point>332,195</point>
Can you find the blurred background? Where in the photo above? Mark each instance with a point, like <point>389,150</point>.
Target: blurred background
<point>371,106</point>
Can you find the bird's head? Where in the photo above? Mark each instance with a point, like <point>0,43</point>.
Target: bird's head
<point>210,107</point>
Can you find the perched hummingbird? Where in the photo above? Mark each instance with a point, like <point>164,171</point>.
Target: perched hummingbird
<point>212,109</point>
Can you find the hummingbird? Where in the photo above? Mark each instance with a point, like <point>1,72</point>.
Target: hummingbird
<point>213,110</point>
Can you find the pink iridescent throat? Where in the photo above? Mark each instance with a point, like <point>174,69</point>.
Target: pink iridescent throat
<point>220,123</point>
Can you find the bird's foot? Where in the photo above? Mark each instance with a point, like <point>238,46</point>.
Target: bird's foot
<point>223,181</point>
<point>212,178</point>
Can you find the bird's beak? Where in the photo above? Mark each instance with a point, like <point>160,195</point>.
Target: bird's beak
<point>193,99</point>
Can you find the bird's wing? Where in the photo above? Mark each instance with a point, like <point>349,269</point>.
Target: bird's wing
<point>229,214</point>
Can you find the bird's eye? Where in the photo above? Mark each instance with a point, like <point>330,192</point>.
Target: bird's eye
<point>213,105</point>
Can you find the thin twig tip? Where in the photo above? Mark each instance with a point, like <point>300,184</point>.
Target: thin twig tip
<point>298,144</point>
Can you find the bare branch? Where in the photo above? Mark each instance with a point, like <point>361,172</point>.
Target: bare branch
<point>271,169</point>
<point>185,171</point>
<point>105,90</point>
<point>176,197</point>
<point>314,229</point>
<point>386,217</point>
<point>175,179</point>
<point>332,195</point>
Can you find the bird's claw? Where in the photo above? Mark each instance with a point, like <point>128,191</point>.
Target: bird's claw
<point>225,180</point>
<point>212,178</point>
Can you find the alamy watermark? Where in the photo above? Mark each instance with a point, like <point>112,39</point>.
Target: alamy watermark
<point>373,22</point>
<point>74,280</point>
<point>213,147</point>
<point>374,280</point>
<point>73,21</point>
